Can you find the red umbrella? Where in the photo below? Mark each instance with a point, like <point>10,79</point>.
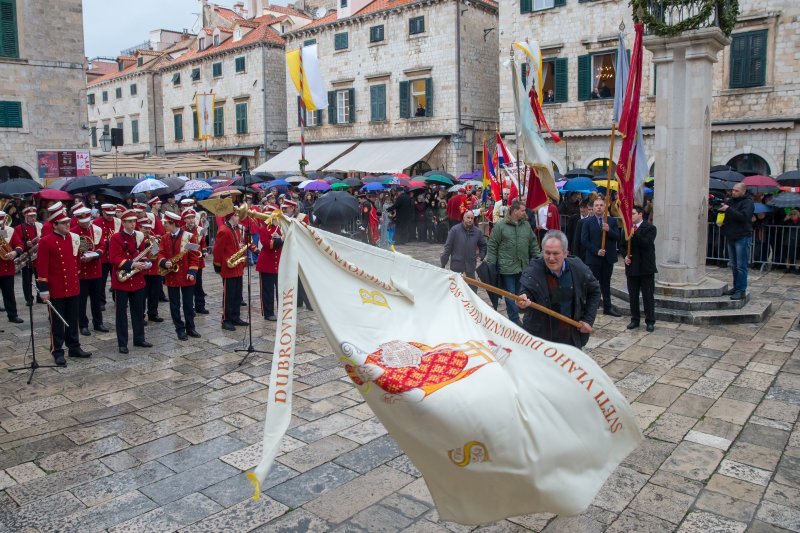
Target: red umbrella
<point>413,183</point>
<point>761,183</point>
<point>53,194</point>
<point>401,175</point>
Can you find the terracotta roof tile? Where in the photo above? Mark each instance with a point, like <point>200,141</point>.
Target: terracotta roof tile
<point>287,11</point>
<point>372,7</point>
<point>102,67</point>
<point>330,17</point>
<point>228,14</point>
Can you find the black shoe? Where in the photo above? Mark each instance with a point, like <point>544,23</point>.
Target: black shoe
<point>103,307</point>
<point>101,328</point>
<point>240,322</point>
<point>123,349</point>
<point>193,333</point>
<point>182,336</point>
<point>243,304</point>
<point>201,311</point>
<point>59,359</point>
<point>16,320</point>
<point>729,292</point>
<point>85,332</point>
<point>79,352</point>
<point>650,328</point>
<point>612,311</point>
<point>633,324</point>
<point>155,319</point>
<point>228,326</point>
<point>738,295</point>
<point>272,318</point>
<point>143,344</point>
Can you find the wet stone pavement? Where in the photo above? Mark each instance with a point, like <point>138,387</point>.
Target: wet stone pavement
<point>157,440</point>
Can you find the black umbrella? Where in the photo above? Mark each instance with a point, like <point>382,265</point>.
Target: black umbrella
<point>373,179</point>
<point>353,182</point>
<point>111,193</point>
<point>728,175</point>
<point>785,199</point>
<point>440,173</point>
<point>335,207</point>
<point>246,181</point>
<point>84,184</point>
<point>173,183</point>
<point>790,178</point>
<point>720,185</point>
<point>122,183</point>
<point>719,168</point>
<point>265,175</point>
<point>575,172</point>
<point>19,186</point>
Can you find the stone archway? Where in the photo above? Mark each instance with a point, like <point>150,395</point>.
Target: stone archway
<point>13,172</point>
<point>751,161</point>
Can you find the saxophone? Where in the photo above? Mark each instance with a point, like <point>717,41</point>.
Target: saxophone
<point>175,260</point>
<point>125,275</point>
<point>238,258</point>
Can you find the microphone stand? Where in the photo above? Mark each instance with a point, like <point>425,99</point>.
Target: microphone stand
<point>250,349</point>
<point>29,302</point>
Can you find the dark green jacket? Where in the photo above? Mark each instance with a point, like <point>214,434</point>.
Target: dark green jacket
<point>512,246</point>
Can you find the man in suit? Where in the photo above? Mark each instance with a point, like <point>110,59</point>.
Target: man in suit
<point>640,269</point>
<point>574,225</point>
<point>598,258</point>
<point>404,207</point>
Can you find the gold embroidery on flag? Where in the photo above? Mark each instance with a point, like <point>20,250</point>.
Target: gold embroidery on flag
<point>374,298</point>
<point>473,452</point>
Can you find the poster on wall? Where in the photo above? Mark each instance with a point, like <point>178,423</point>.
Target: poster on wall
<point>62,164</point>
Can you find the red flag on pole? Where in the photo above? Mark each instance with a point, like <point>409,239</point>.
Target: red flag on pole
<point>627,128</point>
<point>537,196</point>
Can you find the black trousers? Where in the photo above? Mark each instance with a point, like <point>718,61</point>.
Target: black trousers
<point>91,290</point>
<point>134,300</point>
<point>59,334</point>
<point>231,299</point>
<point>199,293</point>
<point>9,300</point>
<point>106,273</point>
<point>269,289</point>
<point>185,295</point>
<point>27,283</point>
<point>302,297</point>
<point>647,284</point>
<point>152,292</point>
<point>603,273</point>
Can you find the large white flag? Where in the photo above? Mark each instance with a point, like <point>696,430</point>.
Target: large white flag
<point>499,422</point>
<point>204,103</point>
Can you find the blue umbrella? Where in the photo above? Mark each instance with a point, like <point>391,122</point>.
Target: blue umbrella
<point>374,186</point>
<point>201,194</point>
<point>758,207</point>
<point>580,184</point>
<point>277,183</point>
<point>648,190</point>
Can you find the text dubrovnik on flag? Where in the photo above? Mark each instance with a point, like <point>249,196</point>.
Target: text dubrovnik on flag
<point>499,422</point>
<point>307,77</point>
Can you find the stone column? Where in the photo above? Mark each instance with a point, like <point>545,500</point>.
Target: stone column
<point>683,151</point>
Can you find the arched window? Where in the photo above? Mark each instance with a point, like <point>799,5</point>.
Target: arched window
<point>418,168</point>
<point>600,165</point>
<point>244,165</point>
<point>749,164</point>
<point>7,173</point>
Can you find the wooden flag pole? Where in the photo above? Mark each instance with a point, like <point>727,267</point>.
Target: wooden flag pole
<point>611,168</point>
<point>516,298</point>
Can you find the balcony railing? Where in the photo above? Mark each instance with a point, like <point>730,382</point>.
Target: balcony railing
<point>671,17</point>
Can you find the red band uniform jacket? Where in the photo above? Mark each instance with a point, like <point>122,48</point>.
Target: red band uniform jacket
<point>228,243</point>
<point>91,269</point>
<point>170,247</point>
<point>109,227</point>
<point>200,254</point>
<point>23,234</point>
<point>57,265</point>
<point>122,249</point>
<point>270,256</point>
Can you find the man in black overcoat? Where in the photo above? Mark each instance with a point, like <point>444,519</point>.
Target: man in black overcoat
<point>640,269</point>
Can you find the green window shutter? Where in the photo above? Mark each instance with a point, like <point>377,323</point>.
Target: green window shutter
<point>331,107</point>
<point>9,43</point>
<point>757,73</point>
<point>377,101</point>
<point>240,65</point>
<point>405,99</point>
<point>561,80</point>
<point>559,3</point>
<point>105,96</point>
<point>10,115</point>
<point>195,126</point>
<point>340,41</point>
<point>584,77</point>
<point>133,89</point>
<point>134,131</point>
<point>655,80</point>
<point>309,42</point>
<point>90,99</point>
<point>525,6</point>
<point>241,118</point>
<point>216,70</point>
<point>177,120</point>
<point>219,121</point>
<point>352,98</point>
<point>319,117</point>
<point>118,92</point>
<point>94,137</point>
<point>428,97</point>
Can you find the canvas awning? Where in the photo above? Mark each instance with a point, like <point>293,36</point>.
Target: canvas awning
<point>385,157</point>
<point>317,155</point>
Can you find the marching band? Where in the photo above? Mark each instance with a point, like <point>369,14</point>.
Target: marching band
<point>70,256</point>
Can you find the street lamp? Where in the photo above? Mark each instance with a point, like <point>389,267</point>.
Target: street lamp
<point>105,142</point>
<point>457,140</point>
<point>262,154</point>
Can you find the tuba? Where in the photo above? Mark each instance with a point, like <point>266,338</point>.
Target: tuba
<point>125,275</point>
<point>86,245</point>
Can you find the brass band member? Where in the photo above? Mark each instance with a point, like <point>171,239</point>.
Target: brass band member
<point>153,282</point>
<point>7,270</point>
<point>24,241</point>
<point>269,258</point>
<point>228,253</point>
<point>57,267</point>
<point>127,249</point>
<point>189,224</point>
<point>178,260</point>
<point>90,271</point>
<point>110,225</point>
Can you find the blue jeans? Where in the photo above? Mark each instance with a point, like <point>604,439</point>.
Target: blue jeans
<point>739,256</point>
<point>512,284</point>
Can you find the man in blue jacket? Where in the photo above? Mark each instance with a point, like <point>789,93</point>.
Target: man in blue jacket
<point>738,230</point>
<point>600,259</point>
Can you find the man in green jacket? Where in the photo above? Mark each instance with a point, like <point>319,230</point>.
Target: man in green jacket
<point>512,245</point>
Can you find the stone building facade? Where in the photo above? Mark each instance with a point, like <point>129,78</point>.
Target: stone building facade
<point>243,65</point>
<point>385,63</point>
<point>754,121</point>
<point>42,95</point>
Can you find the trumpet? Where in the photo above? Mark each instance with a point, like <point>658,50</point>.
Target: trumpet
<point>238,258</point>
<point>125,275</point>
<point>30,253</point>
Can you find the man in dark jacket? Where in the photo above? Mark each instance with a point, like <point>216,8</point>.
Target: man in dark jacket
<point>404,221</point>
<point>640,269</point>
<point>598,258</point>
<point>574,225</point>
<point>563,284</point>
<point>738,231</point>
<point>465,243</point>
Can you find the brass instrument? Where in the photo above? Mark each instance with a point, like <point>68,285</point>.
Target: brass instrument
<point>154,240</point>
<point>175,260</point>
<point>86,245</point>
<point>238,258</point>
<point>30,253</point>
<point>5,246</point>
<point>125,275</point>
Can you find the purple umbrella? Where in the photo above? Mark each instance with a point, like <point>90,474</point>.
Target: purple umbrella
<point>471,176</point>
<point>317,186</point>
